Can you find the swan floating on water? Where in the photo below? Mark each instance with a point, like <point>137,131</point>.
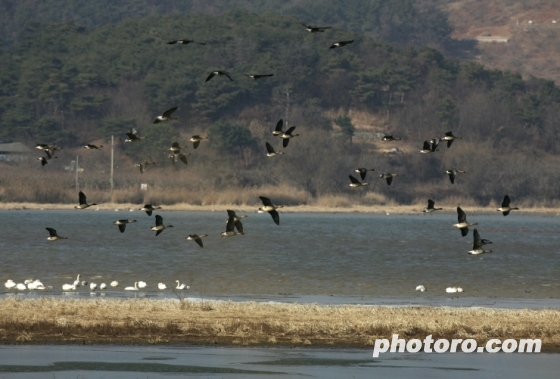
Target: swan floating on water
<point>142,284</point>
<point>181,286</point>
<point>420,288</point>
<point>77,282</point>
<point>102,286</point>
<point>114,283</point>
<point>9,284</point>
<point>135,288</point>
<point>93,286</point>
<point>68,287</point>
<point>161,286</point>
<point>453,289</point>
<point>21,287</point>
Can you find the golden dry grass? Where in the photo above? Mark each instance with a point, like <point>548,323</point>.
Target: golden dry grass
<point>208,322</point>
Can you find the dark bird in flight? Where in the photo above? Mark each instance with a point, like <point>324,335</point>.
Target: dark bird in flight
<point>287,135</point>
<point>196,140</point>
<point>53,236</point>
<point>255,77</point>
<point>355,183</point>
<point>449,137</point>
<point>83,202</point>
<point>196,238</point>
<point>505,208</point>
<point>166,116</point>
<point>218,73</point>
<point>389,137</point>
<point>340,44</point>
<point>463,225</point>
<point>477,244</point>
<point>430,208</point>
<point>159,225</point>
<point>93,147</point>
<point>363,171</point>
<point>271,152</point>
<point>236,220</point>
<point>132,137</point>
<point>388,177</point>
<point>148,208</point>
<point>184,42</point>
<point>143,165</point>
<point>316,29</point>
<point>453,173</point>
<point>182,157</point>
<point>122,224</point>
<point>270,208</point>
<point>278,129</point>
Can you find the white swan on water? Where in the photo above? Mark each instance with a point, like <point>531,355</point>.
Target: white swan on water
<point>102,286</point>
<point>142,284</point>
<point>10,284</point>
<point>93,286</point>
<point>69,287</point>
<point>161,286</point>
<point>420,288</point>
<point>21,286</point>
<point>77,282</point>
<point>135,288</point>
<point>181,286</point>
<point>114,283</point>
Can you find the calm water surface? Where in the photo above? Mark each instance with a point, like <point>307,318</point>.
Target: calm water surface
<point>371,255</point>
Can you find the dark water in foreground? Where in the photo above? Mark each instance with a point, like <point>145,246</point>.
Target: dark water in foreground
<point>368,255</point>
<point>217,362</point>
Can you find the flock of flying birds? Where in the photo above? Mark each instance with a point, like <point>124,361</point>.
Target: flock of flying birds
<point>233,222</point>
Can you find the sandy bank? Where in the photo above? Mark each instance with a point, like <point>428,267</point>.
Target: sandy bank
<point>161,322</point>
<point>396,209</point>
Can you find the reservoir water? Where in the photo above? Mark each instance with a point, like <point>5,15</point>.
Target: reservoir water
<point>340,254</point>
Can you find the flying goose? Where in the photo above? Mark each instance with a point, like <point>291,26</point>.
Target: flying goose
<point>355,183</point>
<point>83,202</point>
<point>218,73</point>
<point>477,245</point>
<point>340,44</point>
<point>287,135</point>
<point>53,236</point>
<point>43,161</point>
<point>434,143</point>
<point>196,238</point>
<point>132,137</point>
<point>50,154</point>
<point>453,173</point>
<point>230,229</point>
<point>159,225</point>
<point>271,151</point>
<point>44,146</point>
<point>389,137</point>
<point>270,208</point>
<point>184,42</point>
<point>148,208</point>
<point>236,220</point>
<point>176,148</point>
<point>449,137</point>
<point>428,147</point>
<point>166,116</point>
<point>256,77</point>
<point>363,171</point>
<point>430,208</point>
<point>316,29</point>
<point>388,177</point>
<point>122,224</point>
<point>196,140</point>
<point>143,165</point>
<point>505,208</point>
<point>89,146</point>
<point>463,225</point>
<point>278,129</point>
<point>182,157</point>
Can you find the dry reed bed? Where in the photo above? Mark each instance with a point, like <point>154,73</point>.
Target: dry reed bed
<point>156,321</point>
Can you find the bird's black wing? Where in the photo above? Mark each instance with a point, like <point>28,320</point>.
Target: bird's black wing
<point>239,226</point>
<point>461,216</point>
<point>158,232</point>
<point>82,198</point>
<point>159,220</point>
<point>168,112</point>
<point>354,180</point>
<point>426,146</point>
<point>449,143</point>
<point>269,148</point>
<point>452,177</point>
<point>389,180</point>
<point>226,74</point>
<point>464,231</point>
<point>195,144</point>
<point>431,204</point>
<point>449,134</point>
<point>172,42</point>
<point>175,145</point>
<point>266,201</point>
<point>183,158</point>
<point>279,126</point>
<point>230,225</point>
<point>131,136</point>
<point>290,130</point>
<point>197,240</point>
<point>506,201</point>
<point>210,76</point>
<point>230,213</point>
<point>122,227</point>
<point>477,243</point>
<point>275,217</point>
<point>52,232</point>
<point>285,142</point>
<point>363,173</point>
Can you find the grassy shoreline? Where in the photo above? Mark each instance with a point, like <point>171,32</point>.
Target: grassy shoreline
<point>144,321</point>
<point>396,209</point>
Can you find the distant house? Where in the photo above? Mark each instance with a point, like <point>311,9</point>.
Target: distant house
<point>14,152</point>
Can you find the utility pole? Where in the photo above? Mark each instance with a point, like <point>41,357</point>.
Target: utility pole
<point>77,169</point>
<point>112,155</point>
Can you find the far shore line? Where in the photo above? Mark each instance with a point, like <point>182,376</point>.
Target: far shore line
<point>382,209</point>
